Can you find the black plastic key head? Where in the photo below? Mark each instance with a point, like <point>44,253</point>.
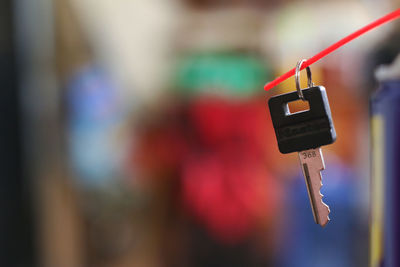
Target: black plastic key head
<point>305,129</point>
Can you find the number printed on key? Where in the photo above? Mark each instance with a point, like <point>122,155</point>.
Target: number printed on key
<point>310,154</point>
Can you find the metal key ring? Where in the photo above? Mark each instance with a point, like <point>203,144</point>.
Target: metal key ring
<point>297,78</point>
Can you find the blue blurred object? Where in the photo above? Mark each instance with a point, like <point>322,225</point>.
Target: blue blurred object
<point>92,122</point>
<point>306,244</point>
<point>385,122</point>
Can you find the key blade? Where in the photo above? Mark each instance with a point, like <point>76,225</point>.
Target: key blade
<point>312,163</point>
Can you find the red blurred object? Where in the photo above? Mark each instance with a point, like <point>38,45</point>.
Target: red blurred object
<point>218,121</point>
<point>230,196</point>
<point>217,147</point>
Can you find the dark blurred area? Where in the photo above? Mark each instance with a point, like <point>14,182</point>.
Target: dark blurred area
<point>137,133</point>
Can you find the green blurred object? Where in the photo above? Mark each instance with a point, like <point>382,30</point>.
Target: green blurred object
<point>221,73</point>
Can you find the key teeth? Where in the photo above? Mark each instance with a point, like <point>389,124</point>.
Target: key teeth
<point>325,222</point>
<point>326,206</point>
<point>323,225</point>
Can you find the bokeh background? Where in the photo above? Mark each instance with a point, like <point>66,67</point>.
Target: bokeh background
<point>137,132</point>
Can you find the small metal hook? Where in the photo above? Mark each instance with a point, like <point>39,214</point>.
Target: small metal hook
<point>297,78</point>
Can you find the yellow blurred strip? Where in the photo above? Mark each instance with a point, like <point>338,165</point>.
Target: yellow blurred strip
<point>377,191</point>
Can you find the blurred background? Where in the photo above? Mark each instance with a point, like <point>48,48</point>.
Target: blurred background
<point>137,133</point>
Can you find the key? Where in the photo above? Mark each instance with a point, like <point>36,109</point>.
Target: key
<point>305,132</point>
<point>312,163</point>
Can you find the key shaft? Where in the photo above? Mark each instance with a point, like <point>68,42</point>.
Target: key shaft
<point>312,163</point>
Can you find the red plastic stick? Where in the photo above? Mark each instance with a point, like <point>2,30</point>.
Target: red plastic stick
<point>389,17</point>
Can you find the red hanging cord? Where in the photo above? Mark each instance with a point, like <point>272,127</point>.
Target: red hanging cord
<point>389,17</point>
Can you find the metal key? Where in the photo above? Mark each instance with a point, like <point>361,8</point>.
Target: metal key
<point>312,163</point>
<point>305,132</point>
